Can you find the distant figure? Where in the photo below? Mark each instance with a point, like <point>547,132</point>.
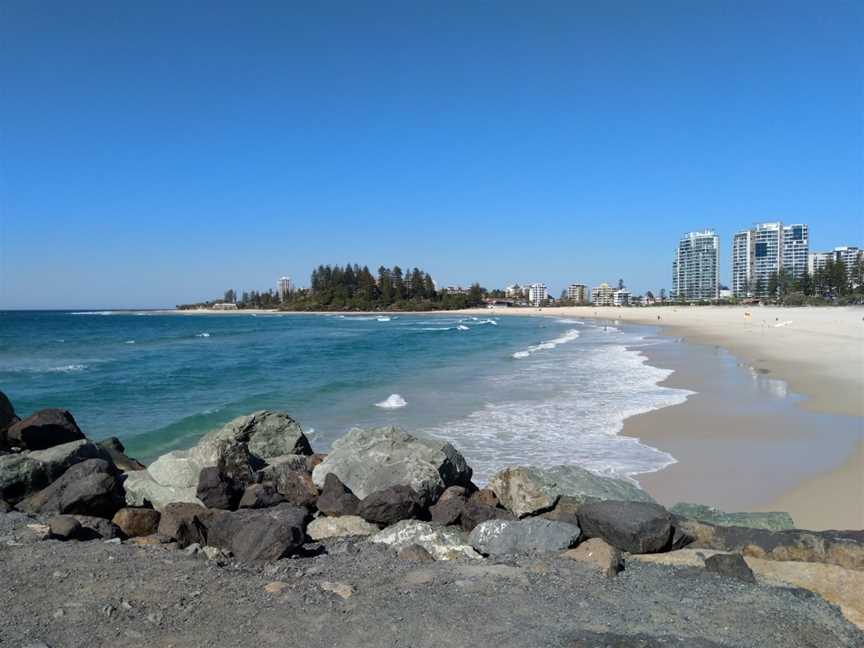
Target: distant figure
<point>658,318</point>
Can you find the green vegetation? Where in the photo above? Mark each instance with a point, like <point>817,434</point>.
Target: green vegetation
<point>833,283</point>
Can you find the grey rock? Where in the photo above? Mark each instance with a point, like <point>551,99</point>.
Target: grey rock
<point>336,498</point>
<point>259,534</point>
<point>731,565</point>
<point>448,511</point>
<point>566,510</point>
<point>142,490</point>
<point>773,521</point>
<point>27,472</point>
<point>340,527</point>
<point>416,553</point>
<point>534,535</point>
<point>526,490</point>
<point>117,452</point>
<point>277,465</point>
<point>391,505</point>
<point>297,488</point>
<point>443,543</point>
<point>369,460</point>
<point>64,527</point>
<point>258,496</point>
<point>635,527</point>
<point>217,490</point>
<point>87,488</point>
<point>97,527</point>
<point>44,429</point>
<point>7,416</point>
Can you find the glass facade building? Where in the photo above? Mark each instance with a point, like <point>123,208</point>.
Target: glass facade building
<point>696,266</point>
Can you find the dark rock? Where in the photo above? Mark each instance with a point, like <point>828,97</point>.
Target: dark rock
<point>44,429</point>
<point>391,505</point>
<point>590,639</point>
<point>447,511</point>
<point>531,535</point>
<point>259,496</point>
<point>217,490</point>
<point>297,488</point>
<point>475,512</point>
<point>7,416</point>
<point>732,565</point>
<point>260,534</point>
<point>485,496</point>
<point>336,498</point>
<point>115,449</point>
<point>95,528</point>
<point>134,522</point>
<point>416,553</point>
<point>279,465</point>
<point>566,510</point>
<point>177,514</point>
<point>5,507</point>
<point>87,488</point>
<point>842,548</point>
<point>237,464</point>
<point>64,527</point>
<point>635,527</point>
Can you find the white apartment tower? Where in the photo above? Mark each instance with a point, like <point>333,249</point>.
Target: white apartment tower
<point>765,250</point>
<point>283,288</point>
<point>696,267</point>
<point>537,294</point>
<point>603,295</point>
<point>742,263</point>
<point>577,293</point>
<point>796,245</point>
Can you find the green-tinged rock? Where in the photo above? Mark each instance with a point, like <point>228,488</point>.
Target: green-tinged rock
<point>773,521</point>
<point>526,490</point>
<point>443,543</point>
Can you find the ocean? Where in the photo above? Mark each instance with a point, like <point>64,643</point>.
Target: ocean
<point>504,391</point>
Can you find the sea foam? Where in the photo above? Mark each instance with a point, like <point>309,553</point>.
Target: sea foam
<point>569,336</point>
<point>393,401</point>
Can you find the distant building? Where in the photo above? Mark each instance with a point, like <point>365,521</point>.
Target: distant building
<point>848,254</point>
<point>725,293</point>
<point>578,293</point>
<point>621,297</point>
<point>284,288</point>
<point>766,250</point>
<point>456,290</point>
<point>515,291</point>
<point>537,294</point>
<point>696,267</point>
<point>224,306</point>
<point>742,263</point>
<point>818,261</point>
<point>602,295</point>
<point>796,245</point>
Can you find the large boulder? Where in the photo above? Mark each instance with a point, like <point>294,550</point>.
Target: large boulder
<point>44,429</point>
<point>297,488</point>
<point>336,498</point>
<point>142,490</point>
<point>843,548</point>
<point>65,527</point>
<point>599,554</point>
<point>87,488</point>
<point>534,535</point>
<point>476,512</point>
<point>635,527</point>
<point>339,527</point>
<point>282,464</point>
<point>27,472</point>
<point>369,460</point>
<point>7,417</point>
<point>176,515</point>
<point>773,521</point>
<point>135,522</point>
<point>259,534</point>
<point>444,543</point>
<point>117,452</point>
<point>238,448</point>
<point>391,505</point>
<point>217,490</point>
<point>261,496</point>
<point>730,565</point>
<point>526,490</point>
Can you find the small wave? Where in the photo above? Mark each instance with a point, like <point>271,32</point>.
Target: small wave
<point>202,335</point>
<point>565,320</point>
<point>93,313</point>
<point>70,368</point>
<point>569,336</point>
<point>393,401</point>
<point>462,327</point>
<point>485,321</point>
<point>130,341</point>
<point>383,319</point>
<point>437,328</point>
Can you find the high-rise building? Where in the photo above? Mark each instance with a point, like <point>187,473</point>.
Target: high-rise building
<point>848,254</point>
<point>537,294</point>
<point>696,267</point>
<point>283,288</point>
<point>742,263</point>
<point>796,245</point>
<point>603,295</point>
<point>577,293</point>
<point>817,261</point>
<point>767,254</point>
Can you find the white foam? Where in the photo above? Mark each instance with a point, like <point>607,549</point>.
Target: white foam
<point>70,368</point>
<point>462,327</point>
<point>565,320</point>
<point>93,313</point>
<point>202,335</point>
<point>393,401</point>
<point>130,341</point>
<point>383,319</point>
<point>569,336</point>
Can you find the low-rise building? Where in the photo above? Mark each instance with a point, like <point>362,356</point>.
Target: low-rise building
<point>537,294</point>
<point>578,293</point>
<point>602,295</point>
<point>621,297</point>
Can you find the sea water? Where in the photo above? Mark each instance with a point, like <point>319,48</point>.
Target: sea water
<point>504,390</point>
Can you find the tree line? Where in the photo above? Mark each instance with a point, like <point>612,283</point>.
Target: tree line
<point>833,281</point>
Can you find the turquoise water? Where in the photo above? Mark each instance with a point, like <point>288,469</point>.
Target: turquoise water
<point>503,390</point>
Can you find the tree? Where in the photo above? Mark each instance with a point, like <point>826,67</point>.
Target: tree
<point>662,294</point>
<point>804,284</point>
<point>475,295</point>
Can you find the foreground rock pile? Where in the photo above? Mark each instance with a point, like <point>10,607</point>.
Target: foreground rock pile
<point>254,490</point>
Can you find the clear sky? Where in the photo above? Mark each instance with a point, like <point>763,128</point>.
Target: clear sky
<point>159,152</point>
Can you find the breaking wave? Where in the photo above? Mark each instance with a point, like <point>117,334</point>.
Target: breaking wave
<point>393,401</point>
<point>569,336</point>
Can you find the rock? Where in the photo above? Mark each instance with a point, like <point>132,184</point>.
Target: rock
<point>528,491</point>
<point>339,527</point>
<point>87,488</point>
<point>774,521</point>
<point>444,543</point>
<point>598,553</point>
<point>117,452</point>
<point>178,514</point>
<point>475,512</point>
<point>336,498</point>
<point>297,488</point>
<point>343,590</point>
<point>64,527</point>
<point>259,496</point>
<point>134,522</point>
<point>842,548</point>
<point>566,510</point>
<point>731,565</point>
<point>149,541</point>
<point>7,416</point>
<point>142,490</point>
<point>259,534</point>
<point>271,434</point>
<point>534,535</point>
<point>447,511</point>
<point>44,429</point>
<point>416,553</point>
<point>192,549</point>
<point>369,460</point>
<point>486,496</point>
<point>95,528</point>
<point>276,587</point>
<point>313,460</point>
<point>390,505</point>
<point>634,527</point>
<point>217,490</point>
<point>214,553</point>
<point>5,507</point>
<point>277,465</point>
<point>27,472</point>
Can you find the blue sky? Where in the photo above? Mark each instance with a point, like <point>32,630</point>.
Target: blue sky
<point>156,153</point>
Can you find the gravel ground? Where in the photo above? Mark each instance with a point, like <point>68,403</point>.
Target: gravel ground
<point>74,594</point>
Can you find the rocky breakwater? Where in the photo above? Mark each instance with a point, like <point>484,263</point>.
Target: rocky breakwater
<point>254,490</point>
